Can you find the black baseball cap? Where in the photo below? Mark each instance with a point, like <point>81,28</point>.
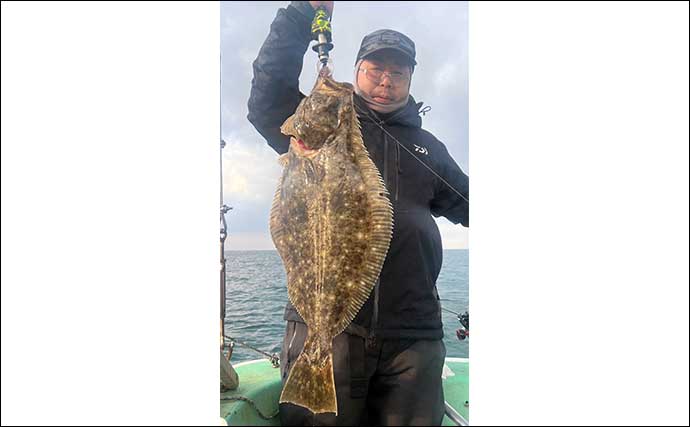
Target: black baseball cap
<point>387,39</point>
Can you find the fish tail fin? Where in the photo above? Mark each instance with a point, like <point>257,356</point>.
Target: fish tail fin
<point>311,385</point>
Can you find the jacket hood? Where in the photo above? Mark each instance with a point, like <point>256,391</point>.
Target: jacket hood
<point>406,116</point>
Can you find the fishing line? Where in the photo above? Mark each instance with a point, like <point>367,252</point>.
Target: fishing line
<point>376,122</point>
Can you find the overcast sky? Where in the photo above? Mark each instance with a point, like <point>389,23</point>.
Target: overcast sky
<point>251,171</point>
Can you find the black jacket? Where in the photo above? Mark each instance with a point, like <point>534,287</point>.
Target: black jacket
<point>405,303</point>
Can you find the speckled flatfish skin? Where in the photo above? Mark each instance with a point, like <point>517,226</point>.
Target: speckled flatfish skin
<point>331,221</point>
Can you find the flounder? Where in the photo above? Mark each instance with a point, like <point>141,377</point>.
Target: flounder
<point>332,222</point>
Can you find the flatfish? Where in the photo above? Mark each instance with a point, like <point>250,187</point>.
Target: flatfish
<point>332,222</point>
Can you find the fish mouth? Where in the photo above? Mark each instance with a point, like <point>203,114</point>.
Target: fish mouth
<point>327,84</point>
<point>301,148</point>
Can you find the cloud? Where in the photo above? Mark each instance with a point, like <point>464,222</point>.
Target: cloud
<point>251,172</point>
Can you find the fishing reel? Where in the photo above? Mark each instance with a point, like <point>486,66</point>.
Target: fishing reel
<point>275,360</point>
<point>464,330</point>
<point>464,318</point>
<point>321,32</point>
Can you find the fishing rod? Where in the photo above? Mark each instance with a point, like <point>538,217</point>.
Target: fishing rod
<point>274,358</point>
<point>223,235</point>
<point>223,224</point>
<point>321,32</point>
<point>451,311</point>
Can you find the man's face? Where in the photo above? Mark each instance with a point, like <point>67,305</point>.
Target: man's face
<point>387,77</point>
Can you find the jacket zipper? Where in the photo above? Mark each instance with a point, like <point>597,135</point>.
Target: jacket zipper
<point>287,360</point>
<point>385,158</point>
<point>292,340</point>
<point>375,317</point>
<point>397,172</point>
<point>371,340</point>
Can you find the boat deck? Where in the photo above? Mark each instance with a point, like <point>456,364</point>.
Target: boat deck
<point>259,392</point>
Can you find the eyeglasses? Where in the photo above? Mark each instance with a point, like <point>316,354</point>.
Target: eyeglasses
<point>375,75</point>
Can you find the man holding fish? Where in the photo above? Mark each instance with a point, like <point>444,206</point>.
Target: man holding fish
<point>386,363</point>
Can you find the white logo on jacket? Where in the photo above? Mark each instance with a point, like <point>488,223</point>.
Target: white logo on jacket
<point>422,150</point>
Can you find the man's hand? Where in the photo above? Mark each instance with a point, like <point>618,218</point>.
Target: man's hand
<point>327,4</point>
